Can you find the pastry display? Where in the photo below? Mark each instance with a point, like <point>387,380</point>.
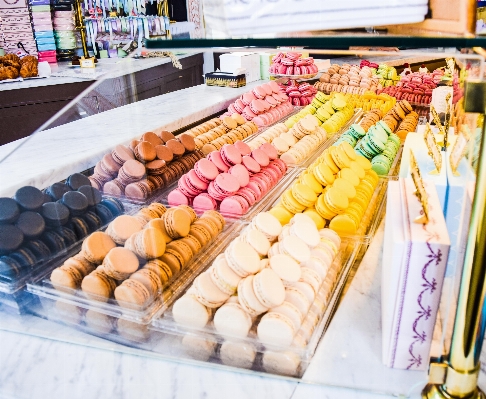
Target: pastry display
<point>11,66</point>
<point>36,225</point>
<point>146,165</point>
<point>346,78</point>
<point>264,105</point>
<point>293,64</point>
<point>271,280</point>
<point>137,256</point>
<point>231,180</point>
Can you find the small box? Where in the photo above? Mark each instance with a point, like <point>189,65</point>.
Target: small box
<point>265,62</point>
<point>232,62</point>
<point>414,262</point>
<point>223,79</point>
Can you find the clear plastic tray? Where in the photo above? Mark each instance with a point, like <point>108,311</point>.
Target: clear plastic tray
<point>10,287</point>
<point>277,190</point>
<point>43,287</point>
<point>319,317</point>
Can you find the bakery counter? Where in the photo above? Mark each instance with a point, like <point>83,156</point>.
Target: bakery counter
<point>53,154</point>
<point>25,106</point>
<point>349,355</point>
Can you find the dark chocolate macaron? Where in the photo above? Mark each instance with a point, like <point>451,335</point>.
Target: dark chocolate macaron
<point>57,190</point>
<point>9,210</point>
<point>29,198</point>
<point>93,221</point>
<point>68,235</point>
<point>55,214</point>
<point>24,257</point>
<point>79,226</point>
<point>92,194</point>
<point>104,213</point>
<point>39,249</point>
<point>77,180</point>
<point>114,205</point>
<point>76,202</point>
<point>54,241</point>
<point>9,268</point>
<point>31,224</point>
<point>11,237</point>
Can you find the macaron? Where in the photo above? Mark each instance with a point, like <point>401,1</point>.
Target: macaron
<point>96,246</point>
<point>98,286</point>
<point>119,263</point>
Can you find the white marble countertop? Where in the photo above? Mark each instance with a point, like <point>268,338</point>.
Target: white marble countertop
<point>52,155</point>
<point>106,68</point>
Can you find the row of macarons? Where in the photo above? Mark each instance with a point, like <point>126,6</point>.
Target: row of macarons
<point>136,256</point>
<point>268,269</point>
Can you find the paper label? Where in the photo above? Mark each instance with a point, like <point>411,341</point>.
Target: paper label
<point>458,151</point>
<point>433,148</point>
<point>87,63</point>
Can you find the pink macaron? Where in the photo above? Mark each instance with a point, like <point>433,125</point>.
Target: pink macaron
<point>251,165</point>
<point>256,187</point>
<point>239,106</point>
<point>248,194</point>
<point>240,173</point>
<point>215,158</point>
<point>176,198</point>
<point>185,189</point>
<point>204,202</point>
<point>230,155</point>
<point>243,148</point>
<point>234,205</point>
<point>247,98</point>
<point>267,88</point>
<point>206,170</point>
<point>270,150</point>
<point>226,184</point>
<point>274,85</point>
<point>215,194</point>
<point>260,156</point>
<point>195,183</point>
<point>248,114</point>
<point>259,92</point>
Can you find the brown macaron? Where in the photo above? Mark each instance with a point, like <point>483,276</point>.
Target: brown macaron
<point>120,263</point>
<point>122,227</point>
<point>66,277</point>
<point>148,243</point>
<point>98,286</point>
<point>96,246</point>
<point>192,213</point>
<point>174,260</point>
<point>145,151</point>
<point>177,222</point>
<point>158,207</point>
<point>133,144</point>
<point>155,167</point>
<point>183,249</point>
<point>149,279</point>
<point>152,138</point>
<point>121,154</point>
<point>176,147</point>
<point>192,242</point>
<point>217,217</point>
<point>131,171</point>
<point>164,153</point>
<point>159,224</point>
<point>166,136</point>
<point>187,141</point>
<point>132,294</point>
<point>160,268</point>
<point>209,224</point>
<point>201,233</point>
<point>78,261</point>
<point>139,190</point>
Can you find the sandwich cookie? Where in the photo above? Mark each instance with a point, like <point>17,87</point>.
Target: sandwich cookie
<point>132,294</point>
<point>149,279</point>
<point>119,263</point>
<point>98,286</point>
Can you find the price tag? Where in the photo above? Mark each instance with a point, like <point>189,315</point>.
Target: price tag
<point>86,62</point>
<point>433,148</point>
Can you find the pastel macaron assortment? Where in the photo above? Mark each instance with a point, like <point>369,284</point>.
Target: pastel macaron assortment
<point>232,179</point>
<point>137,256</point>
<point>347,78</point>
<point>268,277</point>
<point>145,165</point>
<point>263,105</point>
<point>335,191</point>
<point>295,144</point>
<point>293,64</point>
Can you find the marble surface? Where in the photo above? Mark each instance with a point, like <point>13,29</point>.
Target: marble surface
<point>106,68</point>
<point>348,356</point>
<point>52,155</point>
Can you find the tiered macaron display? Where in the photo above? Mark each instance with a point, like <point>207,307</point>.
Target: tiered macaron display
<point>137,256</point>
<point>36,225</point>
<point>415,87</point>
<point>293,145</point>
<point>268,270</point>
<point>337,187</point>
<point>232,179</point>
<point>232,129</point>
<point>263,105</point>
<point>388,75</point>
<point>347,78</point>
<point>293,64</point>
<point>300,94</point>
<point>146,165</point>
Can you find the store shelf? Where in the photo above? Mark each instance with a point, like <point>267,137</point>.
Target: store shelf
<point>332,40</point>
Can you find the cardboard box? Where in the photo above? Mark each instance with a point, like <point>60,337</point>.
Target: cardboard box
<point>414,263</point>
<point>232,62</point>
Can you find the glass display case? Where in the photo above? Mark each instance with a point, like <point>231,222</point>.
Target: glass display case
<point>250,221</point>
